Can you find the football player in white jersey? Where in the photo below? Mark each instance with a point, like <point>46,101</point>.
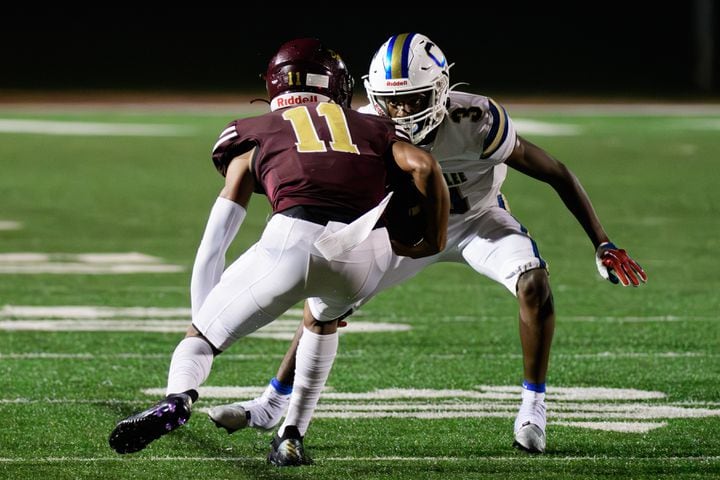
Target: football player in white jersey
<point>475,141</point>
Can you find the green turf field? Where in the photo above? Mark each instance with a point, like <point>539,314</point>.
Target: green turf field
<point>429,386</point>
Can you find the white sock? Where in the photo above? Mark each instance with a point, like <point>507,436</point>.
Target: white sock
<point>190,365</point>
<point>273,398</point>
<point>313,361</point>
<point>531,396</point>
<point>266,410</point>
<point>532,409</point>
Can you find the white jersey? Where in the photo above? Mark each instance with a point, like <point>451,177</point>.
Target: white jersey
<point>471,145</point>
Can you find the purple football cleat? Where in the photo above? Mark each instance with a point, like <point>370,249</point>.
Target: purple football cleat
<point>137,431</point>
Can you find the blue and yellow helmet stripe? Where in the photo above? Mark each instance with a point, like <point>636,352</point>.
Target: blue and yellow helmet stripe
<point>397,56</point>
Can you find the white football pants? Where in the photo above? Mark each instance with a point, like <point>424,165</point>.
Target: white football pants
<point>282,269</point>
<point>490,241</point>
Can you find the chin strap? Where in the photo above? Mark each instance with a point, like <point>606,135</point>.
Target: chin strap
<point>223,224</point>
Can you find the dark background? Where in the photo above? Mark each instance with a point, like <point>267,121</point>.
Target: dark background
<point>625,49</point>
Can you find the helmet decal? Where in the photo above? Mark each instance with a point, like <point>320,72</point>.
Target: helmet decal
<point>398,56</point>
<point>316,80</point>
<point>440,63</point>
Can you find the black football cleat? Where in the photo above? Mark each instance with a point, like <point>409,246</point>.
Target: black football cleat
<point>137,431</point>
<point>288,450</point>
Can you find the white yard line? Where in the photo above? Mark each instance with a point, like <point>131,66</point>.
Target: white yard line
<point>121,356</point>
<point>614,109</point>
<point>65,268</point>
<point>83,263</point>
<point>51,127</point>
<point>10,225</point>
<point>635,318</point>
<point>281,329</point>
<point>241,357</point>
<point>78,318</point>
<point>391,458</point>
<point>92,312</point>
<point>536,127</point>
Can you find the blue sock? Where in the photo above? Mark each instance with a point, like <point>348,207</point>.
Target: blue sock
<point>280,387</point>
<point>535,387</point>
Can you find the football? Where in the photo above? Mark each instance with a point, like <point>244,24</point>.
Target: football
<point>404,216</point>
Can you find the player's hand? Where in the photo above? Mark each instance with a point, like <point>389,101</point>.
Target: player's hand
<point>615,265</point>
<point>341,319</point>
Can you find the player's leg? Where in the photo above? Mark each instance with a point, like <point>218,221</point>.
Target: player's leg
<point>501,249</point>
<point>189,367</point>
<point>334,287</point>
<point>537,325</point>
<point>253,291</point>
<point>316,352</point>
<point>265,411</point>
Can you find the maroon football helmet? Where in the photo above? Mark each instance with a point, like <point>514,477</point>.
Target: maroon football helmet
<point>305,65</point>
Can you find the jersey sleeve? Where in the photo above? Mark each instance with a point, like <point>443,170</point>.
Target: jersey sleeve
<point>228,146</point>
<point>500,140</point>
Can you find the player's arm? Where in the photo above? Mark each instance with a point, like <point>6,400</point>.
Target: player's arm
<point>429,181</point>
<point>226,216</point>
<point>613,264</point>
<point>536,163</point>
<point>239,182</point>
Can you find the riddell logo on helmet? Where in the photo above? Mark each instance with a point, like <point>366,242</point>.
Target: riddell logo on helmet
<point>396,83</point>
<point>296,100</point>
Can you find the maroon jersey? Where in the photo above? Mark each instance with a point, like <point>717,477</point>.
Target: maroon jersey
<point>316,154</point>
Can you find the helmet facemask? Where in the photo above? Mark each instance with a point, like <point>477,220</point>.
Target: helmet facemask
<point>423,119</point>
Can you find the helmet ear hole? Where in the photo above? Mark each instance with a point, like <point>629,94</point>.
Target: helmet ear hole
<point>410,64</point>
<point>306,65</point>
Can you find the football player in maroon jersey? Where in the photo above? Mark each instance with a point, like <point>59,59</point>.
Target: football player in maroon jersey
<point>323,168</point>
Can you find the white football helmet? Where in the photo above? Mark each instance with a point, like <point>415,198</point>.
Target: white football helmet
<point>410,64</point>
